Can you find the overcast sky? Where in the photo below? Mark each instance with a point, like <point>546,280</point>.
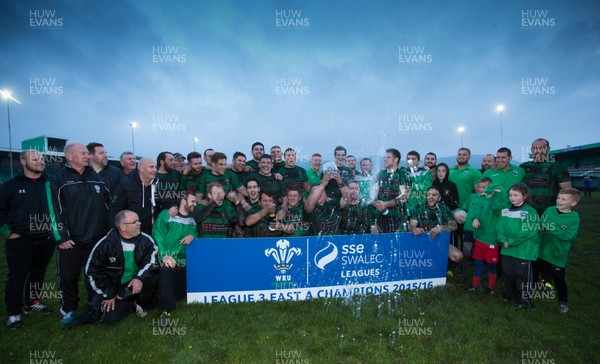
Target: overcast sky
<point>311,75</point>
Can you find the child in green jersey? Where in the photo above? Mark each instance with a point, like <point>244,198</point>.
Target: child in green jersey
<point>518,233</point>
<point>559,227</point>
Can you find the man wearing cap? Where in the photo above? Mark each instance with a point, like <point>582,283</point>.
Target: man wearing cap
<point>179,162</point>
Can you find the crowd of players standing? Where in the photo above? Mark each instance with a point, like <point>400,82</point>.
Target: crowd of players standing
<point>127,209</point>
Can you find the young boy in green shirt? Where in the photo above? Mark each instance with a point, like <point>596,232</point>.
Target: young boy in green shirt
<point>518,232</point>
<point>486,215</point>
<point>559,227</point>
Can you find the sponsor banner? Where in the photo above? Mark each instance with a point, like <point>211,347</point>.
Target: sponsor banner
<point>299,268</point>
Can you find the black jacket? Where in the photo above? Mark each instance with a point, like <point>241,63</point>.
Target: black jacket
<point>105,265</point>
<point>131,194</point>
<point>449,193</point>
<point>24,207</point>
<point>78,205</point>
<point>111,176</point>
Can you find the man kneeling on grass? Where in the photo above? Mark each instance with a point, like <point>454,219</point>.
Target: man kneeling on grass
<point>173,234</point>
<point>119,272</point>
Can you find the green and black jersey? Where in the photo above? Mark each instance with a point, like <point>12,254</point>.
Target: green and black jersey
<point>298,218</point>
<point>332,189</point>
<point>428,218</point>
<point>192,182</point>
<point>218,223</point>
<point>293,178</point>
<point>265,228</point>
<point>270,185</point>
<point>169,186</point>
<point>543,180</point>
<point>253,164</point>
<point>228,180</point>
<point>389,188</point>
<point>357,219</point>
<point>325,220</point>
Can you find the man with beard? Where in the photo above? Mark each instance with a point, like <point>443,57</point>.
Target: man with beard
<point>544,176</point>
<point>192,178</point>
<point>351,163</point>
<point>170,183</point>
<point>434,217</point>
<point>128,162</point>
<point>294,177</point>
<point>258,149</point>
<point>430,160</point>
<point>78,210</point>
<point>25,225</point>
<point>99,162</point>
<point>136,193</point>
<point>464,176</point>
<point>172,235</point>
<point>389,195</point>
<point>488,162</point>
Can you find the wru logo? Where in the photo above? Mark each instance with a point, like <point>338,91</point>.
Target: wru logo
<point>283,255</point>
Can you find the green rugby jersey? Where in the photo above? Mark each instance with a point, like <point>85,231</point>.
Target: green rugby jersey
<point>218,223</point>
<point>228,180</point>
<point>558,230</point>
<point>168,187</point>
<point>465,181</point>
<point>192,182</point>
<point>332,189</point>
<point>428,218</point>
<point>519,226</point>
<point>168,230</point>
<point>298,217</point>
<point>357,219</point>
<point>270,185</point>
<point>324,220</point>
<point>389,188</point>
<point>293,178</point>
<point>506,178</point>
<point>543,181</point>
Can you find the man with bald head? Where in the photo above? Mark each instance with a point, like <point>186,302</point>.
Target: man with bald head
<point>136,193</point>
<point>25,225</point>
<point>78,214</point>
